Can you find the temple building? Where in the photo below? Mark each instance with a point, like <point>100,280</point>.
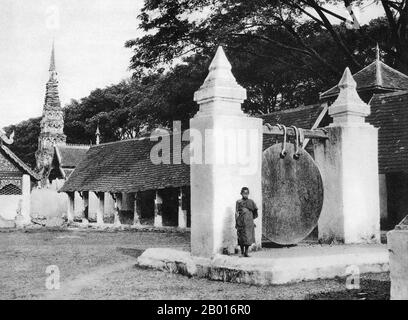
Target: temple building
<point>52,124</point>
<point>144,192</point>
<point>16,183</point>
<point>65,158</point>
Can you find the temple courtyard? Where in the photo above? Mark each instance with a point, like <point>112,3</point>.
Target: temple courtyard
<point>102,265</point>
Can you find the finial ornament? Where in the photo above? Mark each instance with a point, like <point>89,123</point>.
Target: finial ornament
<point>98,134</point>
<point>377,53</point>
<point>220,84</point>
<point>52,69</point>
<point>347,80</point>
<point>348,108</point>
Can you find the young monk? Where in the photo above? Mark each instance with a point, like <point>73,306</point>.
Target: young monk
<point>246,212</point>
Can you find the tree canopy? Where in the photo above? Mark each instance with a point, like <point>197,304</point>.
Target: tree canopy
<point>284,52</point>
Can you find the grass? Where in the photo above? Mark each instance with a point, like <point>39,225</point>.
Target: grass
<point>101,265</point>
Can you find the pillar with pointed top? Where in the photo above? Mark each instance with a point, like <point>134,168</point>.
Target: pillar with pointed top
<point>348,162</point>
<point>220,92</point>
<point>348,107</point>
<point>225,155</point>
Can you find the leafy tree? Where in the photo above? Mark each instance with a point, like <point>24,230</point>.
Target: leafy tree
<point>111,108</point>
<point>266,59</point>
<point>25,139</point>
<point>174,28</point>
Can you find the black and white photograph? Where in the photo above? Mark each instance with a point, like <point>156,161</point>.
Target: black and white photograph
<point>203,155</point>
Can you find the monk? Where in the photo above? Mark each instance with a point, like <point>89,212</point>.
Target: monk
<point>246,212</point>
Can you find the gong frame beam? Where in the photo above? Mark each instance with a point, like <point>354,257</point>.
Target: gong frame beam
<point>308,134</point>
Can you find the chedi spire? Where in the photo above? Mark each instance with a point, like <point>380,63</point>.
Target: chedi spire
<point>52,123</point>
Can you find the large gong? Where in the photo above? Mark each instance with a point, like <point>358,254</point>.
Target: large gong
<point>292,193</point>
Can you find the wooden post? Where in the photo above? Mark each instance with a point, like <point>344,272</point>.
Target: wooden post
<point>136,210</point>
<point>101,207</point>
<point>71,206</point>
<point>158,219</point>
<point>182,214</point>
<point>85,198</point>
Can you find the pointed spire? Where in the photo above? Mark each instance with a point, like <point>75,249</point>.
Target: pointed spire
<point>97,134</point>
<point>378,73</point>
<point>52,60</point>
<point>348,108</point>
<point>219,69</point>
<point>220,83</point>
<point>347,80</point>
<point>220,61</point>
<point>377,53</point>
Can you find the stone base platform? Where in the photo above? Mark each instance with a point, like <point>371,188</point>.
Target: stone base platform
<point>272,266</point>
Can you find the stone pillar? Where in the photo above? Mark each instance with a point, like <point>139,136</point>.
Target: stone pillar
<point>182,214</point>
<point>225,155</point>
<point>158,219</point>
<point>118,207</point>
<point>348,162</point>
<point>136,210</point>
<point>71,206</point>
<point>101,207</point>
<point>85,212</point>
<point>26,198</point>
<point>397,242</point>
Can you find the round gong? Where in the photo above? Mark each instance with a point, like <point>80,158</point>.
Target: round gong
<point>292,192</point>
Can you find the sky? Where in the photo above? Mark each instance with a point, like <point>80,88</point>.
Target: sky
<point>89,47</point>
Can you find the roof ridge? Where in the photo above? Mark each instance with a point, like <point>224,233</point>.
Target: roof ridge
<point>395,70</point>
<point>133,139</point>
<point>73,145</point>
<point>292,109</point>
<point>378,73</point>
<point>19,162</point>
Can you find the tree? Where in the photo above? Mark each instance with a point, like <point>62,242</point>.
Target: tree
<point>284,61</point>
<point>111,108</point>
<point>397,16</point>
<point>25,139</point>
<point>171,32</point>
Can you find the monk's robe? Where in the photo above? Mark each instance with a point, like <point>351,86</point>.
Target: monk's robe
<point>246,212</point>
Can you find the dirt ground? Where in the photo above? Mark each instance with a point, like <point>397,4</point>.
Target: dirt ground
<point>101,265</point>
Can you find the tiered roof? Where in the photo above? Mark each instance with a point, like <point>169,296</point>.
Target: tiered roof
<point>376,77</point>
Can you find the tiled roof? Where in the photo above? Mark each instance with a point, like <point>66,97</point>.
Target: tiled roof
<point>302,117</point>
<point>125,166</point>
<point>389,113</point>
<point>376,75</point>
<point>19,163</point>
<point>69,156</point>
